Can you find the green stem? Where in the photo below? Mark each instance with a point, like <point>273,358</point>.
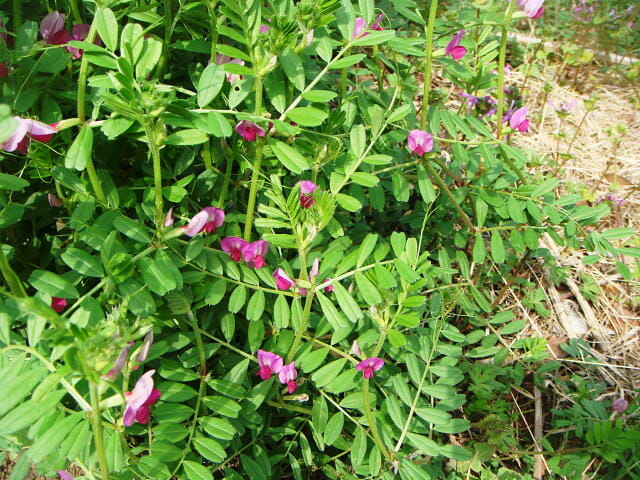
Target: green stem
<point>343,83</point>
<point>157,169</point>
<point>96,421</point>
<point>11,278</point>
<point>501,61</point>
<point>428,63</point>
<point>286,406</point>
<point>255,174</point>
<point>75,10</point>
<point>168,29</point>
<point>575,135</point>
<point>206,155</point>
<point>227,174</point>
<point>82,89</point>
<point>443,186</point>
<point>448,171</point>
<point>199,344</point>
<point>304,321</point>
<point>213,29</point>
<point>17,15</point>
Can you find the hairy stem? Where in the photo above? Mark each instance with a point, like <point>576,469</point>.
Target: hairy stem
<point>227,174</point>
<point>96,421</point>
<point>168,29</point>
<point>501,62</point>
<point>17,15</point>
<point>304,321</point>
<point>157,169</point>
<point>428,50</point>
<point>75,10</point>
<point>257,163</point>
<point>443,186</point>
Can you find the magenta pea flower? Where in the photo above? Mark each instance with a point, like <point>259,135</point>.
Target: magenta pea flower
<point>283,282</point>
<point>58,304</point>
<point>231,77</point>
<point>27,128</point>
<point>619,405</point>
<point>519,121</point>
<point>65,475</point>
<point>419,142</point>
<point>369,365</point>
<point>376,25</point>
<point>254,252</point>
<point>249,131</point>
<point>4,70</point>
<point>269,363</point>
<point>119,363</point>
<point>51,28</point>
<point>288,375</point>
<point>454,49</point>
<point>207,220</point>
<point>54,200</point>
<point>307,188</point>
<point>168,221</point>
<point>532,8</point>
<point>80,32</point>
<point>264,28</point>
<point>359,27</point>
<point>140,400</point>
<point>234,247</point>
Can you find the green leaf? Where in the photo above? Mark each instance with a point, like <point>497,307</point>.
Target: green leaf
<point>307,116</point>
<point>334,428</point>
<point>223,406</point>
<point>374,38</point>
<point>189,136</point>
<point>51,439</point>
<point>52,284</point>
<point>215,291</point>
<point>328,372</point>
<point>348,61</point>
<point>210,84</point>
<point>368,291</point>
<point>322,96</point>
<point>218,125</point>
<point>335,318</point>
<point>358,137</point>
<point>368,244</point>
<point>348,305</point>
<point>82,262</point>
<point>497,247</point>
<point>131,229</point>
<point>209,449</point>
<point>156,278</point>
<point>365,179</point>
<point>80,151</point>
<point>293,69</point>
<point>12,183</point>
<point>289,157</point>
<point>424,444</point>
<point>255,307</point>
<point>195,471</point>
<point>218,427</point>
<point>237,298</point>
<point>107,27</point>
<point>348,202</point>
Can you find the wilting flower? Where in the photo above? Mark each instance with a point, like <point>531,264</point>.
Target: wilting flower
<point>619,405</point>
<point>612,197</point>
<point>485,106</point>
<point>254,252</point>
<point>454,49</point>
<point>27,128</point>
<point>307,188</point>
<point>532,8</point>
<point>58,304</point>
<point>249,131</point>
<point>146,346</point>
<point>269,363</point>
<point>369,365</point>
<point>52,29</point>
<point>54,200</point>
<point>234,247</point>
<point>4,70</point>
<point>419,142</point>
<point>564,108</point>
<point>376,25</point>
<point>207,220</point>
<point>518,120</point>
<point>168,221</point>
<point>360,26</point>
<point>283,282</point>
<point>65,475</point>
<point>355,349</point>
<point>119,363</point>
<point>140,400</point>
<point>288,375</point>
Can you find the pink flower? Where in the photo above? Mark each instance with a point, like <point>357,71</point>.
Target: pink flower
<point>454,49</point>
<point>249,131</point>
<point>264,28</point>
<point>140,400</point>
<point>288,376</point>
<point>283,281</point>
<point>376,25</point>
<point>328,288</point>
<point>234,247</point>
<point>518,120</point>
<point>269,363</point>
<point>146,346</point>
<point>27,128</point>
<point>307,188</point>
<point>4,70</point>
<point>359,27</point>
<point>58,304</point>
<point>419,142</point>
<point>254,253</point>
<point>65,475</point>
<point>80,33</point>
<point>532,8</point>
<point>50,26</point>
<point>119,363</point>
<point>168,221</point>
<point>54,200</point>
<point>207,220</point>
<point>619,405</point>
<point>369,365</point>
